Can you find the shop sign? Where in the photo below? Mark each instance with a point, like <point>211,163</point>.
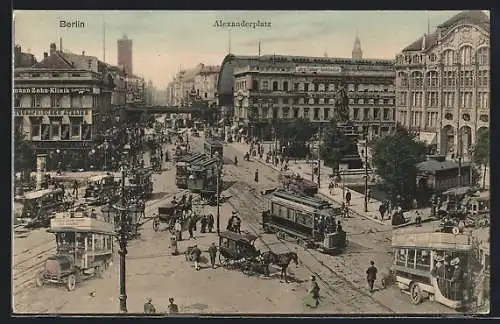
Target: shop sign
<point>318,69</point>
<point>61,144</point>
<point>50,112</point>
<point>53,90</point>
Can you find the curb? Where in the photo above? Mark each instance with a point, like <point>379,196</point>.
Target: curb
<point>354,211</point>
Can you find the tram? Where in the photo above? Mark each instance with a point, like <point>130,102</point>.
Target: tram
<point>425,266</point>
<point>182,168</point>
<point>211,146</point>
<point>311,221</point>
<point>203,175</point>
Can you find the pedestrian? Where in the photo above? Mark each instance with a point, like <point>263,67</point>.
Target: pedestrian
<point>191,227</point>
<point>172,307</point>
<point>457,279</point>
<point>210,222</point>
<point>195,254</point>
<point>212,251</point>
<point>75,189</point>
<point>330,187</point>
<point>339,227</point>
<point>382,210</point>
<point>312,298</point>
<point>149,308</point>
<point>256,178</point>
<point>348,198</point>
<point>371,275</point>
<point>204,221</point>
<point>368,195</point>
<point>178,230</point>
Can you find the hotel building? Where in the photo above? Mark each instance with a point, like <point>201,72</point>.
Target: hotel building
<point>59,103</point>
<point>289,87</point>
<point>443,83</point>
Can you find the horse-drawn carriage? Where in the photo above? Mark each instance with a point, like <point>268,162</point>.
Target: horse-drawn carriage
<point>140,184</point>
<point>169,214</point>
<point>237,249</point>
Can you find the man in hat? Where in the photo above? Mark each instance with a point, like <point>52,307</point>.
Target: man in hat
<point>371,275</point>
<point>457,279</point>
<point>210,222</point>
<point>149,307</point>
<point>196,253</point>
<point>312,299</point>
<point>212,251</point>
<point>172,307</point>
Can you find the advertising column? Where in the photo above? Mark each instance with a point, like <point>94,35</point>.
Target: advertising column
<point>41,162</point>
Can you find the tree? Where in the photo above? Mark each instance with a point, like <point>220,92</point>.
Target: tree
<point>481,153</point>
<point>296,133</point>
<point>335,145</point>
<point>24,156</point>
<point>394,158</point>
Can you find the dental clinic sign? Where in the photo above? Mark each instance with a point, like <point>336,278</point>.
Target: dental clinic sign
<point>55,90</point>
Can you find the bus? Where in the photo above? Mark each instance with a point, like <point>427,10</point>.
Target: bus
<point>425,264</point>
<point>211,146</point>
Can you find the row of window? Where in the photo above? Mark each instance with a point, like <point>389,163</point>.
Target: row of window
<point>319,101</point>
<point>465,99</point>
<point>56,131</point>
<point>292,215</point>
<point>56,101</point>
<point>466,79</point>
<point>316,87</point>
<point>432,118</point>
<point>466,56</point>
<point>376,114</point>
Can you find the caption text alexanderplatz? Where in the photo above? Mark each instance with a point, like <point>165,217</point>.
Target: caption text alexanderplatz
<point>220,23</point>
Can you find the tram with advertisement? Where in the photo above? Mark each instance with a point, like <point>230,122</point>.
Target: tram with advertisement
<point>438,266</point>
<point>211,146</point>
<point>203,175</point>
<point>84,248</point>
<point>182,167</point>
<point>309,220</point>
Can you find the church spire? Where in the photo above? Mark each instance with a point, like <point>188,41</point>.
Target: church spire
<point>357,53</point>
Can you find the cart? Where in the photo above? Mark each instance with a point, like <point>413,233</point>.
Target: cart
<point>237,249</point>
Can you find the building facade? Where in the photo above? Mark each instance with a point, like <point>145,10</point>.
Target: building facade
<point>443,83</point>
<point>135,90</point>
<point>291,87</point>
<point>59,104</point>
<point>197,84</point>
<point>125,54</point>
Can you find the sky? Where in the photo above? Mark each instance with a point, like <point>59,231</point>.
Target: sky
<point>165,41</point>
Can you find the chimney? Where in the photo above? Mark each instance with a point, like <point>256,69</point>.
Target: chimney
<point>53,48</point>
<point>45,55</point>
<point>60,44</point>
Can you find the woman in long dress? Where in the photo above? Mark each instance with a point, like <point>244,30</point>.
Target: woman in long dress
<point>312,298</point>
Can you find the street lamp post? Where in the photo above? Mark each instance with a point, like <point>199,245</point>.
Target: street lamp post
<point>123,235</point>
<point>319,157</point>
<point>366,170</point>
<point>218,191</point>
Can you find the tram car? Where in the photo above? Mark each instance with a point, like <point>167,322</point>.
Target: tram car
<point>203,175</point>
<point>100,189</point>
<point>212,146</point>
<point>84,248</point>
<point>141,183</point>
<point>182,168</point>
<point>40,205</point>
<point>311,221</point>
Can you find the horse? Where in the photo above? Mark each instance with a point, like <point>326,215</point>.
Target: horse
<point>282,260</point>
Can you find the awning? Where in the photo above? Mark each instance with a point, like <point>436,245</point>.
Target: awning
<point>234,127</point>
<point>427,137</point>
<point>241,130</point>
<point>221,121</point>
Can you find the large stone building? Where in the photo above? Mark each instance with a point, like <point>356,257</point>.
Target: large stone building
<point>60,103</point>
<point>443,83</point>
<point>197,84</point>
<point>290,87</point>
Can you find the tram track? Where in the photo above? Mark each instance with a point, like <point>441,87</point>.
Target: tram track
<point>250,207</point>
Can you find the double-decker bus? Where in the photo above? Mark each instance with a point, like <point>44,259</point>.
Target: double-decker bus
<point>434,265</point>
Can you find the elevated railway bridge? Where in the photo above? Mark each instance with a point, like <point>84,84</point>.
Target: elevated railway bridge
<point>132,112</point>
